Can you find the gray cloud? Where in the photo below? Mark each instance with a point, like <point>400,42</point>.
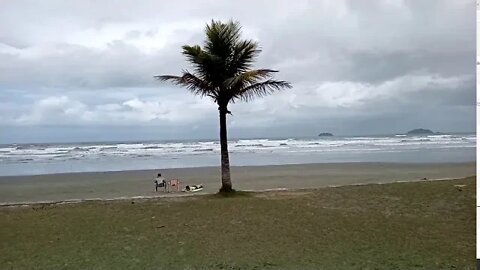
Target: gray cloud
<point>357,67</point>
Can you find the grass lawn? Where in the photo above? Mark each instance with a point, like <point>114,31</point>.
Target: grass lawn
<point>423,225</point>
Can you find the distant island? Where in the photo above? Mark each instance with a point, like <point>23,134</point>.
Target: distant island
<point>325,134</point>
<point>420,131</point>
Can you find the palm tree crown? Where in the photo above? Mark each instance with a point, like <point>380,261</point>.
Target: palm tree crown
<point>223,70</point>
<point>223,67</point>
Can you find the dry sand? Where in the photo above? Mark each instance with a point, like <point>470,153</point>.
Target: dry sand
<point>108,185</point>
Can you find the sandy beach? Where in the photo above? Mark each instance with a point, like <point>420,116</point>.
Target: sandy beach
<point>109,185</point>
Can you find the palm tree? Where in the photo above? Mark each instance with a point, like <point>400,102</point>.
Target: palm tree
<point>222,71</point>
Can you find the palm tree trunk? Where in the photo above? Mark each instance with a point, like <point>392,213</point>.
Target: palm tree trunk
<point>226,180</point>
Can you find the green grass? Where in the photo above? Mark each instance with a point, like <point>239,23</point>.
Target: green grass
<point>424,225</point>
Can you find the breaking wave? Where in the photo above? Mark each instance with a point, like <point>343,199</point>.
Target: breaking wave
<point>25,153</point>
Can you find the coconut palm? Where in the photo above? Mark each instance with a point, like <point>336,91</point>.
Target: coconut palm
<point>222,71</point>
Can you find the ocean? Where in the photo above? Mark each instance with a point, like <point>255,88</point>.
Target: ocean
<point>32,159</point>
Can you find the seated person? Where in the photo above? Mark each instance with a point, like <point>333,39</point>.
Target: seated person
<point>160,182</point>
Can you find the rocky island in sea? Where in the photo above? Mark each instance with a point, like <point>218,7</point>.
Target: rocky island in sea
<point>421,131</point>
<point>325,134</point>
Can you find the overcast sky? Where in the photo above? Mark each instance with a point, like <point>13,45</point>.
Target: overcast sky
<point>83,70</point>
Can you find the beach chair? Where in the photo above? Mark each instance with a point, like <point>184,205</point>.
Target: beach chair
<point>174,184</point>
<point>159,183</point>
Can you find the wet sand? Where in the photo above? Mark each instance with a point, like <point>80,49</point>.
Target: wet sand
<point>108,185</point>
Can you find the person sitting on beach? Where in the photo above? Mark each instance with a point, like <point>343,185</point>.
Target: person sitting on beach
<point>160,182</point>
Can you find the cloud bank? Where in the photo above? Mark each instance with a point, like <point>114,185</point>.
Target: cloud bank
<point>356,68</point>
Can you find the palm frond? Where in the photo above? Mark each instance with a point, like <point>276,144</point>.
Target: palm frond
<point>188,80</point>
<point>221,37</point>
<point>193,53</point>
<point>243,56</point>
<point>260,89</point>
<point>205,65</point>
<point>248,77</point>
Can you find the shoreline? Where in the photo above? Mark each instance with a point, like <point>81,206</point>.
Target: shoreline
<point>200,194</point>
<point>139,183</point>
<point>3,177</point>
